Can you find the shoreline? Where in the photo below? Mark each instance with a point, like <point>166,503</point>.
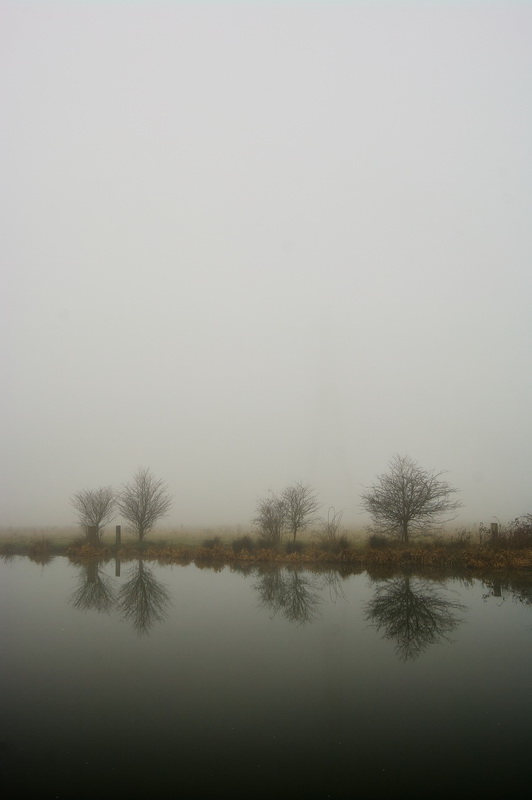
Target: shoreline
<point>471,558</point>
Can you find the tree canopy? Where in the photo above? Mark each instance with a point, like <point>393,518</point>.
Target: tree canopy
<point>95,507</point>
<point>409,500</point>
<point>143,501</point>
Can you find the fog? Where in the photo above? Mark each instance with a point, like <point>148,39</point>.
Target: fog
<point>245,244</point>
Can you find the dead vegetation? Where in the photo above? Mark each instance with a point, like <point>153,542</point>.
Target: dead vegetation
<point>461,550</point>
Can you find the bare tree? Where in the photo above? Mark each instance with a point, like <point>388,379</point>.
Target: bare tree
<point>301,504</point>
<point>330,527</point>
<point>270,519</point>
<point>143,501</point>
<point>409,500</point>
<point>95,507</point>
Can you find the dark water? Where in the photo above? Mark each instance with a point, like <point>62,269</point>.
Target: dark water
<point>181,682</point>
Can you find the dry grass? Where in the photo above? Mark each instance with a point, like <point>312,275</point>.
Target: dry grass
<point>52,535</point>
<point>474,559</point>
<point>213,547</point>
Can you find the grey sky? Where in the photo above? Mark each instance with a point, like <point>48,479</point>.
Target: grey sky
<point>249,243</point>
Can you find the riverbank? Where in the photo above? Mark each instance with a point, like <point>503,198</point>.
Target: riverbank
<point>489,556</point>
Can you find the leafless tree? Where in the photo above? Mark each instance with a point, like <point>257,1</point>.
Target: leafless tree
<point>143,501</point>
<point>301,504</point>
<point>95,507</point>
<point>409,500</point>
<point>270,519</point>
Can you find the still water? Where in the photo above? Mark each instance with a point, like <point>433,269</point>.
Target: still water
<point>183,682</point>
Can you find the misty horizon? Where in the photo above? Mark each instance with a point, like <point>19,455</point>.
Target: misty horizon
<point>247,245</point>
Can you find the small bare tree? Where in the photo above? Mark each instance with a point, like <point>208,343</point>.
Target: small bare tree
<point>409,500</point>
<point>330,527</point>
<point>270,519</point>
<point>95,507</point>
<point>301,503</point>
<point>143,501</point>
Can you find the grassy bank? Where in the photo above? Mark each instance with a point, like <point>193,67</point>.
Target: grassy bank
<point>243,550</point>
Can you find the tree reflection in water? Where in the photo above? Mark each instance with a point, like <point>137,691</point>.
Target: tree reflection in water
<point>292,592</point>
<point>95,589</point>
<point>413,613</point>
<point>142,599</point>
<point>332,580</point>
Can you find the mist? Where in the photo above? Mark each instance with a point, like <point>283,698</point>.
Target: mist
<point>249,244</point>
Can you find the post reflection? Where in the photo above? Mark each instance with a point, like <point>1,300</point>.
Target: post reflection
<point>413,613</point>
<point>517,586</point>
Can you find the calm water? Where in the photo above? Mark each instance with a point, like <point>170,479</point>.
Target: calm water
<point>179,682</point>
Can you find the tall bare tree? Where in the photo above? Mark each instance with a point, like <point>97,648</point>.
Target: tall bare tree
<point>144,501</point>
<point>301,504</point>
<point>409,500</point>
<point>95,507</point>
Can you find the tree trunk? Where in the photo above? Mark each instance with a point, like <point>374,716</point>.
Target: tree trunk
<point>405,531</point>
<point>92,535</point>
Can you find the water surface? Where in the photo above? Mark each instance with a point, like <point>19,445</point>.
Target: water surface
<point>178,681</point>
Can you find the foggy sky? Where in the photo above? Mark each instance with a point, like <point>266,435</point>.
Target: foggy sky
<point>245,244</point>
